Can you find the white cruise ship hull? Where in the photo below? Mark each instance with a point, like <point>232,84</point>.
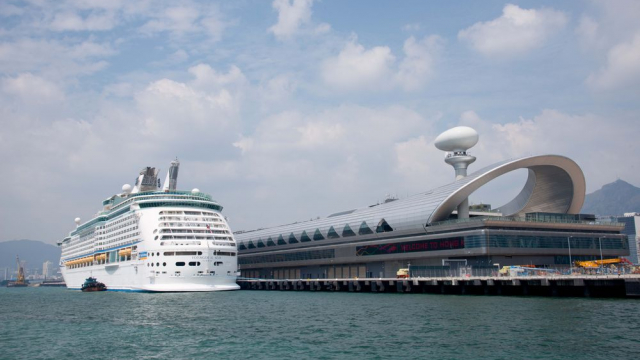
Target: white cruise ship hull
<point>136,277</point>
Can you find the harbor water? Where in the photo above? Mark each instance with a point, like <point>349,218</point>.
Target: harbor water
<point>56,323</point>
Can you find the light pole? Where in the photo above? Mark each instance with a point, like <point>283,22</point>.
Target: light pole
<point>600,241</point>
<point>570,263</point>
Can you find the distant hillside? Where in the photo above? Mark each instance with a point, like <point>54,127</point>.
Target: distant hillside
<point>33,252</point>
<point>616,198</point>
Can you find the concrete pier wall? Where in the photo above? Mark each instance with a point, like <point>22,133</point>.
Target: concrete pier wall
<point>574,286</point>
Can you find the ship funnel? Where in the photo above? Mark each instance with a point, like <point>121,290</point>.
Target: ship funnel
<point>456,142</point>
<point>148,180</point>
<point>171,181</point>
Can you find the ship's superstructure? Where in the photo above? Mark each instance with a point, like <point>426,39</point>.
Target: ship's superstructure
<point>147,239</point>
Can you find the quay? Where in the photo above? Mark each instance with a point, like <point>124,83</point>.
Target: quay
<point>602,286</point>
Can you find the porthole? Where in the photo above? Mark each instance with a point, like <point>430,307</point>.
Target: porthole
<point>157,264</point>
<point>151,264</point>
<point>157,254</point>
<point>164,264</point>
<point>180,263</point>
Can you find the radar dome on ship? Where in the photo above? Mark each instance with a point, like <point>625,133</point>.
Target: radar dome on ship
<point>126,188</point>
<point>460,138</point>
<point>77,221</point>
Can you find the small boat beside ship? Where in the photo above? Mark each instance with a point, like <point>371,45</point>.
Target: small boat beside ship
<point>92,284</point>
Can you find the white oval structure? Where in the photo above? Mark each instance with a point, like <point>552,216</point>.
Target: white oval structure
<point>195,190</point>
<point>126,188</point>
<point>77,221</point>
<point>459,138</point>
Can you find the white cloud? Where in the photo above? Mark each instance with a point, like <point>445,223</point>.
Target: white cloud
<point>622,67</point>
<point>55,58</point>
<point>588,31</point>
<point>291,15</point>
<point>418,163</point>
<point>71,21</point>
<point>170,108</point>
<point>277,89</point>
<point>186,19</point>
<point>516,32</point>
<point>32,89</point>
<point>122,89</point>
<point>244,144</point>
<point>417,67</point>
<point>322,29</point>
<point>10,10</point>
<point>356,67</point>
<point>207,78</point>
<point>412,27</point>
<point>333,134</point>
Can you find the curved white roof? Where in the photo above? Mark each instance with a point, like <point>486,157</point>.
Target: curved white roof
<point>555,184</point>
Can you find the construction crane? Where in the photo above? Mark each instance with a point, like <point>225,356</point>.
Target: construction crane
<point>20,281</point>
<point>598,263</point>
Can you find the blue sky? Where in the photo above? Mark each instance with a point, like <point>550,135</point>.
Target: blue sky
<point>290,109</point>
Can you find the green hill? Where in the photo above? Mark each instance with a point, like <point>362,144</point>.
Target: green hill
<point>616,198</point>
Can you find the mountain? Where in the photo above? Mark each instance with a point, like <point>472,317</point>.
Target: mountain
<point>34,253</point>
<point>616,198</point>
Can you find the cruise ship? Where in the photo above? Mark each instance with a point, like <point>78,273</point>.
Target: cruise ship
<point>153,238</point>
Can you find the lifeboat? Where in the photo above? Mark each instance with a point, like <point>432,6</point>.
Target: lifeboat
<point>125,252</point>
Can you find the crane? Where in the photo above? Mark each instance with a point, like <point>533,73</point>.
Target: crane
<point>20,281</point>
<point>597,263</point>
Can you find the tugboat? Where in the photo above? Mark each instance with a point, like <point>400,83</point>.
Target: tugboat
<point>91,284</point>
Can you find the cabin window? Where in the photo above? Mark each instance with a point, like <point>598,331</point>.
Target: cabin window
<point>180,263</point>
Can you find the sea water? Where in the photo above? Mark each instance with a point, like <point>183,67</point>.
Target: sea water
<point>56,323</point>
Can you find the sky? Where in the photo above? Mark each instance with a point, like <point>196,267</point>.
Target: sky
<point>287,110</point>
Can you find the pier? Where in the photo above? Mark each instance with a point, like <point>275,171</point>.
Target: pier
<point>603,286</point>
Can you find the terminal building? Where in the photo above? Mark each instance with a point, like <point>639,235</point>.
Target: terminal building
<point>437,229</point>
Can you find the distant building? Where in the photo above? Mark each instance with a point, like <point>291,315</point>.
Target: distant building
<point>47,269</point>
<point>631,223</point>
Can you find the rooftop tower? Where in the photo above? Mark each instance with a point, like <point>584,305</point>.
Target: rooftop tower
<point>455,142</point>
